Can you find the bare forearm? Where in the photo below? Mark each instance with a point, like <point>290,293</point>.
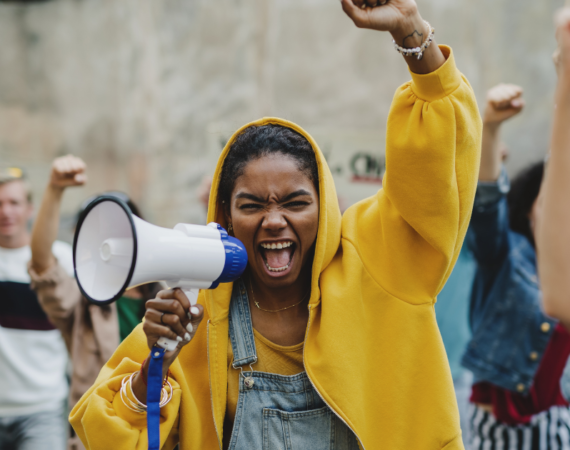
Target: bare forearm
<point>490,168</point>
<point>414,34</point>
<point>139,388</point>
<point>554,231</point>
<point>45,229</point>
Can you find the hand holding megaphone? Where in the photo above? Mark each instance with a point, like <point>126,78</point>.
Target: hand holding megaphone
<point>170,315</point>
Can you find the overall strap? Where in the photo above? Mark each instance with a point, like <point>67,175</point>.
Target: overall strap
<point>241,328</point>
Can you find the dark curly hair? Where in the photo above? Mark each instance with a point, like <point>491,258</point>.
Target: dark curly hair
<point>257,141</point>
<point>524,191</point>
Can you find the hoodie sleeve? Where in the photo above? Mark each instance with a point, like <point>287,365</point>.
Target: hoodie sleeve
<point>101,419</point>
<point>410,234</point>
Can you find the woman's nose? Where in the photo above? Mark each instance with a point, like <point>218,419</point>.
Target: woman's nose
<point>274,221</point>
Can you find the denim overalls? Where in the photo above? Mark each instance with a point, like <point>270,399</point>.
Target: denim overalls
<point>277,412</point>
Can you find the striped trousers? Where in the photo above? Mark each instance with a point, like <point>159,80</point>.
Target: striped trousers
<point>549,430</point>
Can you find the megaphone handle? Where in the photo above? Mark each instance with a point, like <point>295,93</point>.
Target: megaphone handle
<point>170,344</point>
<point>167,344</point>
<point>192,295</point>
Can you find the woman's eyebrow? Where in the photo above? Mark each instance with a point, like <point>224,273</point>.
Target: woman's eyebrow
<point>249,197</point>
<point>295,194</point>
<point>261,200</point>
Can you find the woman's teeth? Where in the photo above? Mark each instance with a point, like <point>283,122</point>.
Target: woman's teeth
<point>280,245</point>
<point>279,260</point>
<point>280,269</point>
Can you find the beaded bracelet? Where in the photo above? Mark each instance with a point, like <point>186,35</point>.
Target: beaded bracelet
<point>419,51</point>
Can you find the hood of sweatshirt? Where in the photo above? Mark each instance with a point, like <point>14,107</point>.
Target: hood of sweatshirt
<point>329,230</point>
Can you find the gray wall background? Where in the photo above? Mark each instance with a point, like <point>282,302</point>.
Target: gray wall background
<point>141,88</point>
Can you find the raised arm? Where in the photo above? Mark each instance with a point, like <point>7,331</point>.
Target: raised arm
<point>57,291</point>
<point>65,172</point>
<point>553,234</point>
<point>409,235</point>
<point>503,102</point>
<point>489,223</point>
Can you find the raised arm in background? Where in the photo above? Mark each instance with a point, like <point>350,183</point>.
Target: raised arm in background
<point>57,291</point>
<point>66,171</point>
<point>553,237</point>
<point>503,102</point>
<point>488,239</point>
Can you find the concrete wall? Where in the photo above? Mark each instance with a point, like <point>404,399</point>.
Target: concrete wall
<point>146,91</point>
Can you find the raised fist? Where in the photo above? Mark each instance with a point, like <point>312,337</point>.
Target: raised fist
<point>68,171</point>
<point>382,15</point>
<point>503,102</point>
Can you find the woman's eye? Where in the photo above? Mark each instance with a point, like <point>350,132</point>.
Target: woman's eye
<point>250,206</point>
<point>295,204</point>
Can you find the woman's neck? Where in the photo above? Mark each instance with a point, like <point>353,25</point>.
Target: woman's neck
<point>279,314</point>
<point>270,298</point>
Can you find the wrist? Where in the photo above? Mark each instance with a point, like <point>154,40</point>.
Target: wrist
<point>166,367</point>
<point>55,190</point>
<point>166,363</point>
<point>412,31</point>
<point>491,126</point>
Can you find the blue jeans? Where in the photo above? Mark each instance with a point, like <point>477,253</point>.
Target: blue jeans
<point>277,412</point>
<point>46,430</point>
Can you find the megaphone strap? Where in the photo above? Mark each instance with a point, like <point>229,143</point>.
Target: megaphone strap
<point>153,394</point>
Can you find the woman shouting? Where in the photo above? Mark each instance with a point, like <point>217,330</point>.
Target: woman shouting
<point>329,339</point>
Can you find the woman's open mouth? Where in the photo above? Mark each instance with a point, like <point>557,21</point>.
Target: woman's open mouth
<point>277,256</point>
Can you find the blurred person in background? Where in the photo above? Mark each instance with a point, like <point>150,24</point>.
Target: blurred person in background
<point>517,353</point>
<point>553,239</point>
<point>33,359</point>
<point>329,339</point>
<point>91,332</point>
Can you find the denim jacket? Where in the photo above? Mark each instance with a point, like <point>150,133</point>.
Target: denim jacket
<point>510,330</point>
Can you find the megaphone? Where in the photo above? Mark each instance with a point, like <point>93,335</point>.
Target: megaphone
<point>114,250</point>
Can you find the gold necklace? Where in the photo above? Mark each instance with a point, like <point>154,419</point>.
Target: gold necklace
<point>274,310</point>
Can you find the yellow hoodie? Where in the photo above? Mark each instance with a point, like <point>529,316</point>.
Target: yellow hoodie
<point>372,347</point>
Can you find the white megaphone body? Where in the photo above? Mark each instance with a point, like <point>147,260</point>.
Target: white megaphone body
<point>115,250</point>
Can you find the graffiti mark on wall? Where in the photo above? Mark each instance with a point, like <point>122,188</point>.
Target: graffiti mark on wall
<point>367,168</point>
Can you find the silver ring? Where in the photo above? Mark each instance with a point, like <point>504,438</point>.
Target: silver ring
<point>161,321</point>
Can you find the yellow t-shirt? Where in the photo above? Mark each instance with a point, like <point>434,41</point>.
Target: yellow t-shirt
<point>271,358</point>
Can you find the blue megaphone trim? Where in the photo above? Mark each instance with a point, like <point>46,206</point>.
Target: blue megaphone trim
<point>236,258</point>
